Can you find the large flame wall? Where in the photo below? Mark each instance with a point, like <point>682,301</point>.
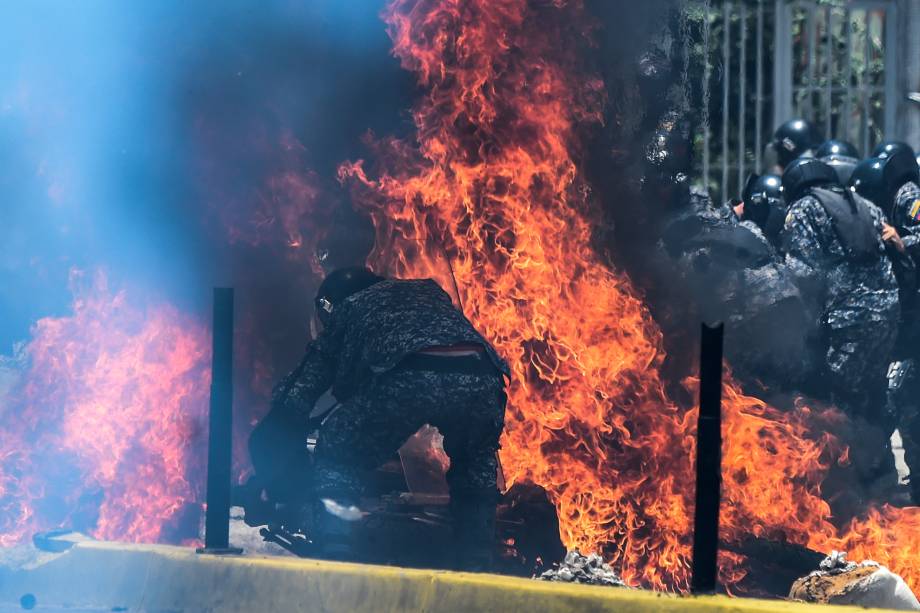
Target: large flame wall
<point>494,184</point>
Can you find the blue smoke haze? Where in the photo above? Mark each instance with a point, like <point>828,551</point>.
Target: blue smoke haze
<point>99,103</point>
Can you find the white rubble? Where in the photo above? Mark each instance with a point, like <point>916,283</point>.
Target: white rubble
<point>867,584</point>
<point>248,537</point>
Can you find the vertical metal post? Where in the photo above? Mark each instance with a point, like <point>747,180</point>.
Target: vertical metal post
<point>782,63</point>
<point>706,92</point>
<point>726,82</point>
<point>220,433</point>
<point>865,85</point>
<point>892,100</point>
<point>848,89</point>
<point>758,120</point>
<point>812,60</point>
<point>829,73</point>
<point>708,463</point>
<point>742,93</point>
<point>685,36</point>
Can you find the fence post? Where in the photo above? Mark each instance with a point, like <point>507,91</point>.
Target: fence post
<point>726,91</point>
<point>782,65</point>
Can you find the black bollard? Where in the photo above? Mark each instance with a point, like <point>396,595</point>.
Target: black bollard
<point>708,464</point>
<point>220,434</point>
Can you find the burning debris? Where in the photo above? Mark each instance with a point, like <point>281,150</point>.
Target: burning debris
<point>590,569</point>
<point>867,584</point>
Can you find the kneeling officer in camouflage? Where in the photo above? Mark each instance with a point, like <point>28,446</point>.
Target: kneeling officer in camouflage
<point>398,355</point>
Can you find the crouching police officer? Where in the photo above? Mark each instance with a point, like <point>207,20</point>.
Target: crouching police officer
<point>398,355</point>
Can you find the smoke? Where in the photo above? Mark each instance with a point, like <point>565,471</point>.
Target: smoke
<point>177,146</point>
<point>127,131</point>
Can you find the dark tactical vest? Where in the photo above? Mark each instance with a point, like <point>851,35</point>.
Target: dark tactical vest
<point>852,221</point>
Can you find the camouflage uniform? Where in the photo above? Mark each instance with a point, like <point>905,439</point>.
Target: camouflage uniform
<point>859,295</point>
<point>904,378</point>
<point>906,214</point>
<point>906,220</point>
<point>370,426</point>
<point>732,273</point>
<point>362,354</point>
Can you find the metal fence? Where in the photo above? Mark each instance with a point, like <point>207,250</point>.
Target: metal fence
<point>837,65</point>
<point>766,61</point>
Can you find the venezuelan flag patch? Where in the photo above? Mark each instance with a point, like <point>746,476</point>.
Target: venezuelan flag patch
<point>915,210</point>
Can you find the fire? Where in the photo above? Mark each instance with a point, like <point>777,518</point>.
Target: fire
<point>494,188</point>
<point>104,428</point>
<point>104,423</point>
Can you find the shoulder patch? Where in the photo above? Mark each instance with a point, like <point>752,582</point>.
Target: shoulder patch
<point>914,211</point>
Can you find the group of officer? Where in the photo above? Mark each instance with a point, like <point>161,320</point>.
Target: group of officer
<point>848,232</point>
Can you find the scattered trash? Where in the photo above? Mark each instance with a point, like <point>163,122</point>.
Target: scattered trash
<point>577,568</point>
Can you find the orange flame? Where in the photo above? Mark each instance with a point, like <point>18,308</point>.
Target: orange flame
<point>117,394</point>
<point>494,186</point>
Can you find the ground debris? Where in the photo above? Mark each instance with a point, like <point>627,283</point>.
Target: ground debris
<point>577,568</point>
<point>867,584</point>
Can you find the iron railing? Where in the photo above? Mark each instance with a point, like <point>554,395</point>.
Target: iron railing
<point>763,62</point>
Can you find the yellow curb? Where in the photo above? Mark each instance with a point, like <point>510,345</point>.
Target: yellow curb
<point>97,576</point>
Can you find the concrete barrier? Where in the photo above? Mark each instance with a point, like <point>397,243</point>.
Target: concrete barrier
<point>101,576</point>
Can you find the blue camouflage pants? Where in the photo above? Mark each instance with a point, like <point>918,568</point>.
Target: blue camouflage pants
<point>369,427</point>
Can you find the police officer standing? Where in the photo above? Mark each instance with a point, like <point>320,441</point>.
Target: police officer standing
<point>841,156</point>
<point>902,177</point>
<point>891,182</point>
<point>834,245</point>
<point>762,205</point>
<point>794,139</point>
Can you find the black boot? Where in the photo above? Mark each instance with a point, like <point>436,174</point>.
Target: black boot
<point>474,531</point>
<point>333,529</point>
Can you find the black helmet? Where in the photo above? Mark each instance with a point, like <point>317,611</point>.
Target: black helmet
<point>879,179</point>
<point>339,285</point>
<point>901,163</point>
<point>804,173</point>
<point>900,168</point>
<point>843,166</point>
<point>761,194</point>
<point>793,139</point>
<point>868,180</point>
<point>837,148</point>
<point>889,148</point>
